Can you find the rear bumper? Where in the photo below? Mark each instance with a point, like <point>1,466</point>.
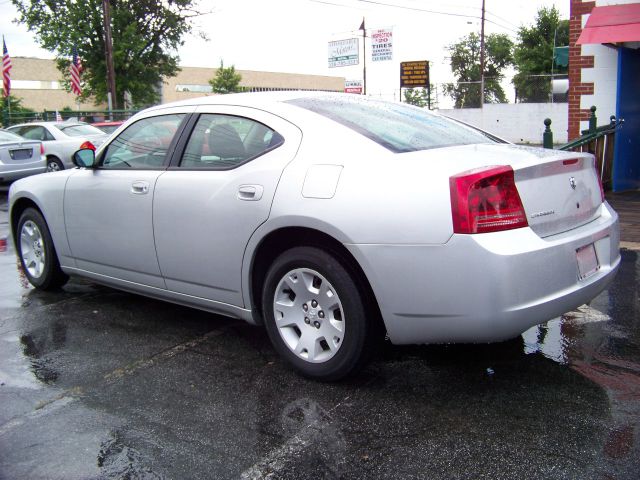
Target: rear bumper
<point>488,287</point>
<point>11,173</point>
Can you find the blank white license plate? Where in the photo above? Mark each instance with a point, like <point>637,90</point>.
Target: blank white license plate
<point>587,261</point>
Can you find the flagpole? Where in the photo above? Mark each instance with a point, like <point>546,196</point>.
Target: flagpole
<point>364,56</point>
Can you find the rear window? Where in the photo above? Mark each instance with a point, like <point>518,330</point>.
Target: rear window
<point>397,127</point>
<point>10,137</point>
<point>78,129</point>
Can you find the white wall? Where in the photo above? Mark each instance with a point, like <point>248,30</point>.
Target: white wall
<point>517,122</point>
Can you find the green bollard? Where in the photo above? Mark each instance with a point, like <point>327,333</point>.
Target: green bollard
<point>547,136</point>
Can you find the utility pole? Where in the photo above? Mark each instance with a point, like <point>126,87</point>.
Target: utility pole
<point>108,47</point>
<point>482,59</point>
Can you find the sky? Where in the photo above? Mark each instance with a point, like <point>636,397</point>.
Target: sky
<point>292,35</point>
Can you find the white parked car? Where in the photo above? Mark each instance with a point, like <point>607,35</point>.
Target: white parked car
<point>327,218</point>
<point>61,139</point>
<point>19,157</point>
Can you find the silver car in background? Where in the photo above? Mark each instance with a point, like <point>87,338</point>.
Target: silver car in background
<point>19,157</point>
<point>61,139</point>
<point>328,218</point>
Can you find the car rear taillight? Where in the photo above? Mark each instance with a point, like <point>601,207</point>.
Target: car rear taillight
<point>486,200</point>
<point>87,145</point>
<point>41,149</point>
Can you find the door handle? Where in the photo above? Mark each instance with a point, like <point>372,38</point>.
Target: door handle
<point>250,192</point>
<point>140,187</point>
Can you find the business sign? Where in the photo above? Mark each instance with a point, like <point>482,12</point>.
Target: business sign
<point>343,53</point>
<point>414,74</point>
<point>382,45</point>
<point>353,86</point>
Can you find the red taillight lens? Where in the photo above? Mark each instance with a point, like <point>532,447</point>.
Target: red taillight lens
<point>88,145</point>
<point>41,149</point>
<point>486,200</point>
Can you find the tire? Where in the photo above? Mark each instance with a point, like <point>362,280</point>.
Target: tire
<point>323,329</point>
<point>54,164</point>
<point>36,252</point>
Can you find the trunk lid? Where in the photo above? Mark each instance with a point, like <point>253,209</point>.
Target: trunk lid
<point>559,192</point>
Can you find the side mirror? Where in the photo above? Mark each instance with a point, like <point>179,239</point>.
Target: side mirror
<point>85,158</point>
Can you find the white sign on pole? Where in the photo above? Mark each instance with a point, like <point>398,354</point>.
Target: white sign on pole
<point>343,53</point>
<point>353,86</point>
<point>382,45</point>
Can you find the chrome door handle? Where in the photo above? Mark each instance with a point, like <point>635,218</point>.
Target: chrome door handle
<point>250,192</point>
<point>140,187</point>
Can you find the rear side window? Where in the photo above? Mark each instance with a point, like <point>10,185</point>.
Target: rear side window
<point>221,142</point>
<point>397,127</point>
<point>78,129</point>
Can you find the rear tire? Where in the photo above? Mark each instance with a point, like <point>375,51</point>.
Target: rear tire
<point>54,164</point>
<point>36,252</point>
<point>316,315</point>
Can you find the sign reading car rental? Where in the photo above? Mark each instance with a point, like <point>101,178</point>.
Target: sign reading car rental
<point>382,45</point>
<point>414,74</point>
<point>343,53</point>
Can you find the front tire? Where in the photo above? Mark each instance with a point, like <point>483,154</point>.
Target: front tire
<point>36,252</point>
<point>315,314</point>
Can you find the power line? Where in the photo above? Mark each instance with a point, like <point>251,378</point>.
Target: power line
<point>416,9</point>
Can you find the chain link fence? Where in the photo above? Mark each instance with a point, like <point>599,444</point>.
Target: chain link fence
<point>519,89</point>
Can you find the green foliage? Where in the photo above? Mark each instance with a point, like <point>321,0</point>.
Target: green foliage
<point>14,104</point>
<point>533,54</point>
<point>226,80</point>
<point>416,96</point>
<point>143,33</point>
<point>465,65</point>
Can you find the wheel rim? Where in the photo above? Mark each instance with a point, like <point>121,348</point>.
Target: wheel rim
<point>32,249</point>
<point>309,315</point>
<point>53,166</point>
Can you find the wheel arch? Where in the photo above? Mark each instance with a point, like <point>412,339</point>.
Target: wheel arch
<point>19,206</point>
<point>278,241</point>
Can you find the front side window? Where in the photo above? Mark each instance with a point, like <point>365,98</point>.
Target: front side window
<point>224,141</point>
<point>143,145</point>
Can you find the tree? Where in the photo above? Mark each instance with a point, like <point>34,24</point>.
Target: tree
<point>14,105</point>
<point>416,96</point>
<point>533,55</point>
<point>465,65</point>
<point>143,32</point>
<point>226,80</point>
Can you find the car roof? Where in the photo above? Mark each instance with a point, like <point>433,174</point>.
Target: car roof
<point>254,99</point>
<point>49,124</point>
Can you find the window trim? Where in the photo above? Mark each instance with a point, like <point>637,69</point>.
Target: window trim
<point>181,148</point>
<point>170,150</point>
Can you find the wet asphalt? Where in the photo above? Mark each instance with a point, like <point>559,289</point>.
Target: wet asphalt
<point>100,384</point>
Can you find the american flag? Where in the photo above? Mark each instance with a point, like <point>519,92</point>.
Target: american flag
<point>75,73</point>
<point>6,69</point>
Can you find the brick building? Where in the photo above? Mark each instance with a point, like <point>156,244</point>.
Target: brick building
<point>604,71</point>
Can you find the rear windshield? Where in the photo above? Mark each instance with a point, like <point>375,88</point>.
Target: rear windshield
<point>78,129</point>
<point>400,128</point>
<point>10,137</point>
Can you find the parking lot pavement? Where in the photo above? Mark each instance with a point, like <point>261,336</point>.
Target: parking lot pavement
<point>96,383</point>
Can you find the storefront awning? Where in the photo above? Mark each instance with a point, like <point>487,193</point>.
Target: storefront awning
<point>612,24</point>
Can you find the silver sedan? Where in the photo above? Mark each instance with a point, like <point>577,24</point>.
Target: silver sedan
<point>61,139</point>
<point>330,219</point>
<point>19,157</point>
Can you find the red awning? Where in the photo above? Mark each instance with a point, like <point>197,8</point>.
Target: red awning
<point>612,24</point>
